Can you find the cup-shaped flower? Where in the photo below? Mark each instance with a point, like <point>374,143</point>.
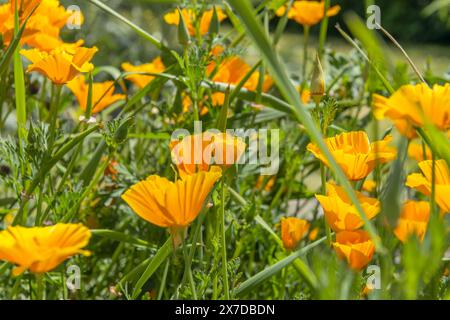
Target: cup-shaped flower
<point>190,19</point>
<point>355,154</point>
<point>292,231</point>
<point>41,249</point>
<point>308,13</point>
<point>340,212</point>
<point>60,65</point>
<point>423,182</point>
<point>199,151</point>
<point>102,94</point>
<point>141,80</point>
<point>413,220</point>
<point>232,70</point>
<point>355,247</point>
<point>418,104</point>
<point>172,205</point>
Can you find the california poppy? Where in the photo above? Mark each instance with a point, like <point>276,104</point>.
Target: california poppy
<point>190,18</point>
<point>292,231</point>
<point>197,152</point>
<point>141,80</point>
<point>355,247</point>
<point>340,212</point>
<point>308,13</point>
<point>60,66</point>
<point>418,104</point>
<point>355,154</point>
<point>172,205</point>
<point>413,220</point>
<point>41,249</point>
<point>102,93</point>
<point>422,182</point>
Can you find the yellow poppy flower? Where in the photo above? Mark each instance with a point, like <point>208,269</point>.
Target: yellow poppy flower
<point>231,71</point>
<point>380,107</point>
<point>41,249</point>
<point>292,231</point>
<point>60,66</point>
<point>413,220</point>
<point>43,28</point>
<point>197,152</point>
<point>102,94</point>
<point>369,185</point>
<point>190,18</point>
<point>172,205</point>
<point>340,212</point>
<point>355,247</point>
<point>313,234</point>
<point>422,183</point>
<point>156,66</point>
<point>417,104</point>
<point>308,13</point>
<point>416,152</point>
<point>355,154</point>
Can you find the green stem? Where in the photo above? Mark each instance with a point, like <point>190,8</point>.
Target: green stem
<point>188,271</point>
<point>54,115</point>
<point>433,184</point>
<point>223,242</point>
<point>323,28</point>
<point>40,287</point>
<point>305,53</point>
<point>162,287</point>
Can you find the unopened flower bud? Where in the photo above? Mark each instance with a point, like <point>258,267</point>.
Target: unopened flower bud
<point>317,82</point>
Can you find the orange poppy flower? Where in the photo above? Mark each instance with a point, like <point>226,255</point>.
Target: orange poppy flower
<point>231,71</point>
<point>102,94</point>
<point>156,66</point>
<point>422,183</point>
<point>355,247</point>
<point>369,185</point>
<point>417,104</point>
<point>41,249</point>
<point>60,66</point>
<point>416,152</point>
<point>197,152</point>
<point>292,231</point>
<point>190,18</point>
<point>308,13</point>
<point>172,205</point>
<point>340,212</point>
<point>355,154</point>
<point>413,220</point>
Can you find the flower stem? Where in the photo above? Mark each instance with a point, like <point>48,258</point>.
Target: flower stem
<point>433,184</point>
<point>188,271</point>
<point>40,287</point>
<point>223,242</point>
<point>54,115</point>
<point>305,52</point>
<point>323,28</point>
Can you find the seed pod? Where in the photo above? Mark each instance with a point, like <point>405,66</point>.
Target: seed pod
<point>215,24</point>
<point>183,32</point>
<point>122,132</point>
<point>317,82</point>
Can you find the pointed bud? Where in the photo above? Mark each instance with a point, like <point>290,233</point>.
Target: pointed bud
<point>215,23</point>
<point>183,32</point>
<point>318,81</point>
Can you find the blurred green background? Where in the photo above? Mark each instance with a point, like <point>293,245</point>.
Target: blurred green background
<point>421,26</point>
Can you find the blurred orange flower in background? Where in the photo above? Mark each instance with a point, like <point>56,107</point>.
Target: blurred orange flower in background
<point>355,154</point>
<point>141,80</point>
<point>308,13</point>
<point>190,19</point>
<point>102,94</point>
<point>423,182</point>
<point>41,249</point>
<point>292,231</point>
<point>413,220</point>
